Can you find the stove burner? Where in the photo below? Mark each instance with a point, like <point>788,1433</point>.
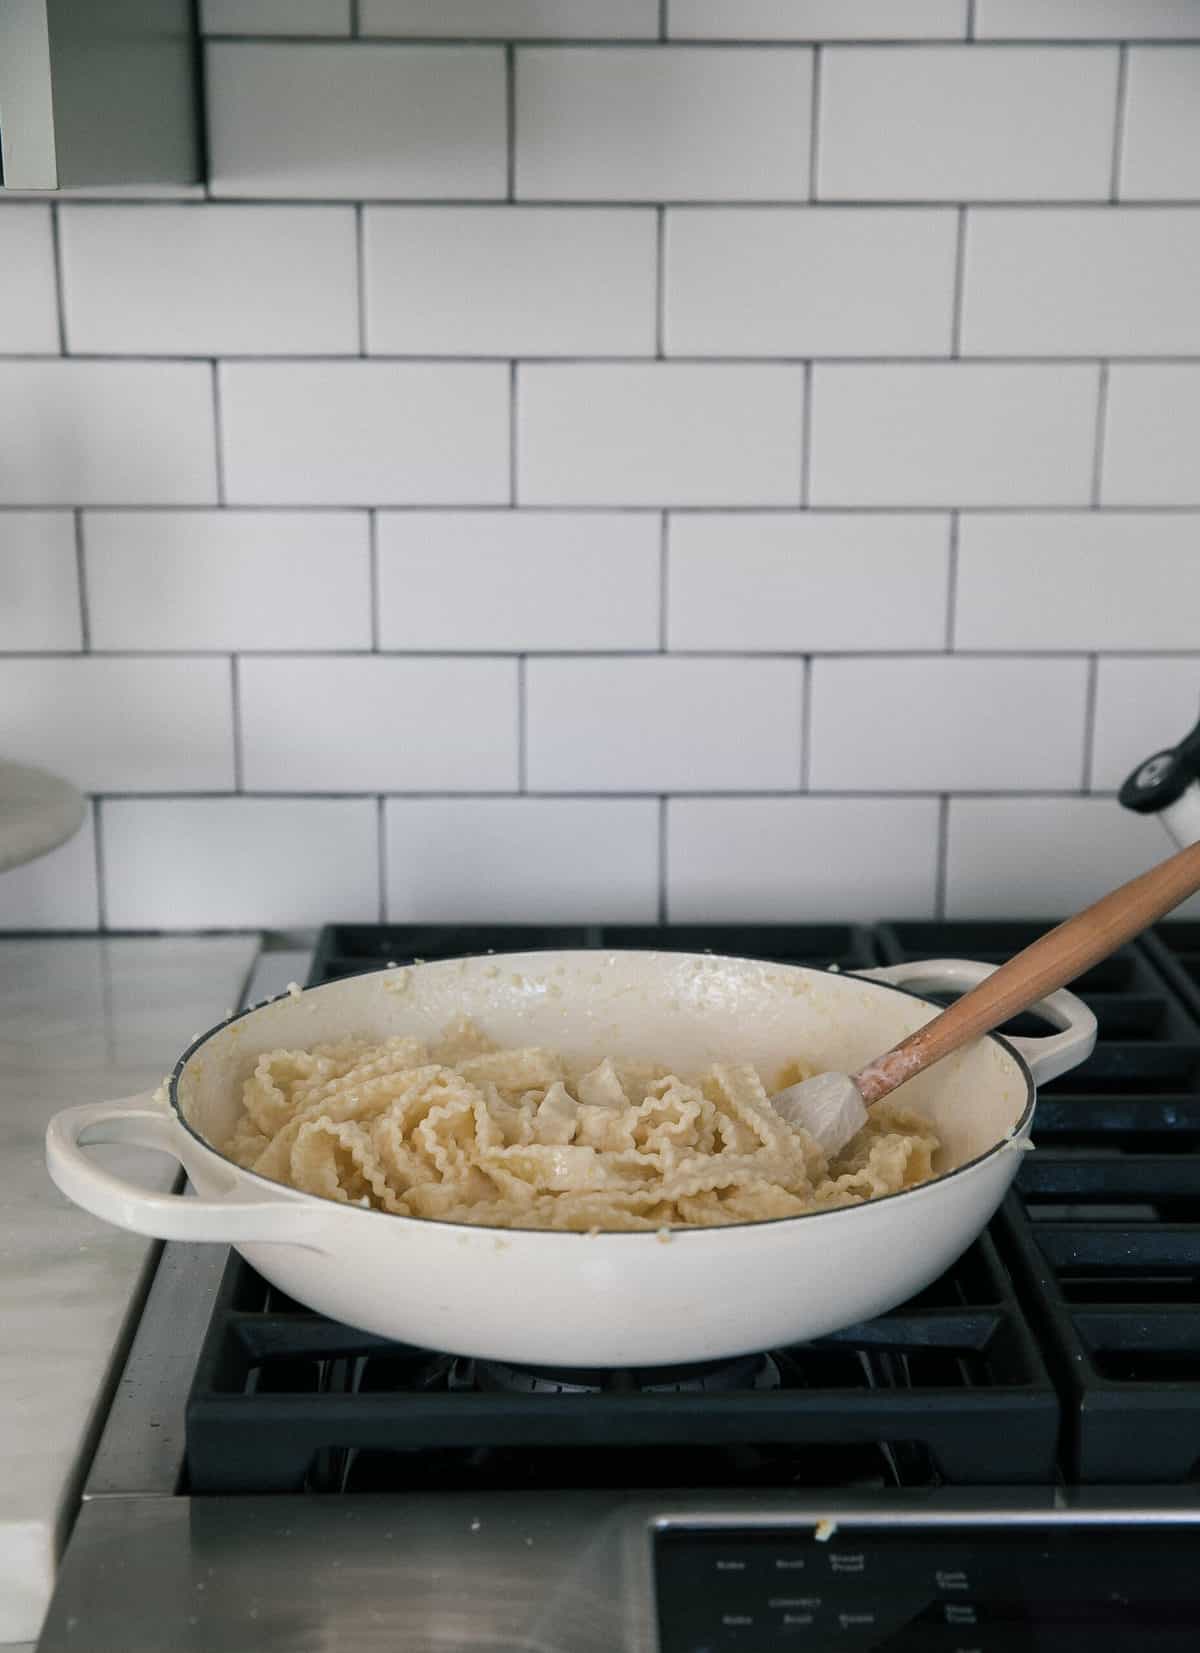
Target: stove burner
<point>757,1371</point>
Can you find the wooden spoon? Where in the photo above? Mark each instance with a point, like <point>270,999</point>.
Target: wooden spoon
<point>833,1106</point>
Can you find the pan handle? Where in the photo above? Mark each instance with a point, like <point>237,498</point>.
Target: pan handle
<point>1047,1057</point>
<point>140,1122</point>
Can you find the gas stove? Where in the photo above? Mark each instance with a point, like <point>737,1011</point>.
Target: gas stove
<point>1011,1460</point>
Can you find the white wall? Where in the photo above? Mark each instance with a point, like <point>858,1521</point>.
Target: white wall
<point>583,458</point>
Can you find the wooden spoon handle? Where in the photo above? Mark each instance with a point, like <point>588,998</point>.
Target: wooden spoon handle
<point>1048,963</point>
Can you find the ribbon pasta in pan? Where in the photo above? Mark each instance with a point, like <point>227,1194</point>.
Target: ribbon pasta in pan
<point>463,1132</point>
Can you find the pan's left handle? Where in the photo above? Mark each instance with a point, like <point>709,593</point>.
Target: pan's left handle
<point>1047,1057</point>
<point>140,1122</point>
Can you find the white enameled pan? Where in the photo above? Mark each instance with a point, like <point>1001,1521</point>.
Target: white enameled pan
<point>613,1299</point>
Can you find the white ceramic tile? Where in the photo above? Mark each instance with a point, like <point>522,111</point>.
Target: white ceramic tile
<point>1160,151</point>
<point>39,585</point>
<point>425,122</point>
<point>365,433</point>
<point>1150,436</point>
<point>809,281</point>
<point>1086,19</point>
<point>152,725</point>
<point>815,19</point>
<point>952,434</point>
<point>346,724</point>
<point>1142,706</point>
<point>801,860</point>
<point>512,580</point>
<point>663,725</point>
<point>275,16</point>
<point>29,312</point>
<point>57,891</point>
<point>1087,581</point>
<point>507,281</point>
<point>1044,857</point>
<point>106,433</point>
<point>966,123</point>
<point>1082,281</point>
<point>663,434</point>
<point>665,123</point>
<point>228,580</point>
<point>520,19</point>
<point>210,280</point>
<point>789,583</point>
<point>946,724</point>
<point>522,860</point>
<point>220,863</point>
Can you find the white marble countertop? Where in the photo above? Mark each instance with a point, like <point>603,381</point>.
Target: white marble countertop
<point>80,1021</point>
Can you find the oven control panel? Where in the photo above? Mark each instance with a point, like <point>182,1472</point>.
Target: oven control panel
<point>1065,1588</point>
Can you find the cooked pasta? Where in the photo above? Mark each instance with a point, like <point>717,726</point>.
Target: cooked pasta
<point>465,1132</point>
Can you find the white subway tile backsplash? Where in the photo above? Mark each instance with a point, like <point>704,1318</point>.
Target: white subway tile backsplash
<point>1044,857</point>
<point>947,724</point>
<point>150,725</point>
<point>1143,704</point>
<point>953,433</point>
<point>1160,152</point>
<point>663,123</point>
<point>809,281</point>
<point>659,434</point>
<point>807,582</point>
<point>39,585</point>
<point>106,433</point>
<point>1082,281</point>
<point>661,725</point>
<point>514,580</point>
<point>1078,581</point>
<point>528,19</point>
<point>816,19</point>
<point>803,860</point>
<point>522,860</point>
<point>501,281</point>
<point>29,312</point>
<point>301,17</point>
<point>228,580</point>
<point>1150,436</point>
<point>209,280</point>
<point>240,863</point>
<point>57,891</point>
<point>425,122</point>
<point>346,724</point>
<point>963,123</point>
<point>1086,19</point>
<point>365,433</point>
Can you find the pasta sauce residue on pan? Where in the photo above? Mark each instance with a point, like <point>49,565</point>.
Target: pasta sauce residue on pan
<point>465,1132</point>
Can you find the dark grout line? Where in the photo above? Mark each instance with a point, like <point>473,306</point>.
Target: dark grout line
<point>952,582</point>
<point>971,20</point>
<point>578,508</point>
<point>663,851</point>
<point>510,122</point>
<point>1101,436</point>
<point>943,856</point>
<point>235,689</point>
<point>381,843</point>
<point>60,290</point>
<point>1114,188</point>
<point>600,203</point>
<point>663,21</point>
<point>85,615</point>
<point>355,23</point>
<point>218,435</point>
<point>960,274</point>
<point>101,871</point>
<point>1089,723</point>
<point>814,133</point>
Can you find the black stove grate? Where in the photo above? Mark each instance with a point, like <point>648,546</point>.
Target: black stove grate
<point>1175,949</point>
<point>1091,1273</point>
<point>949,1388</point>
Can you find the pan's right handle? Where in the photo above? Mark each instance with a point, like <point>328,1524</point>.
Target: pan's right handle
<point>1047,1057</point>
<point>139,1122</point>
